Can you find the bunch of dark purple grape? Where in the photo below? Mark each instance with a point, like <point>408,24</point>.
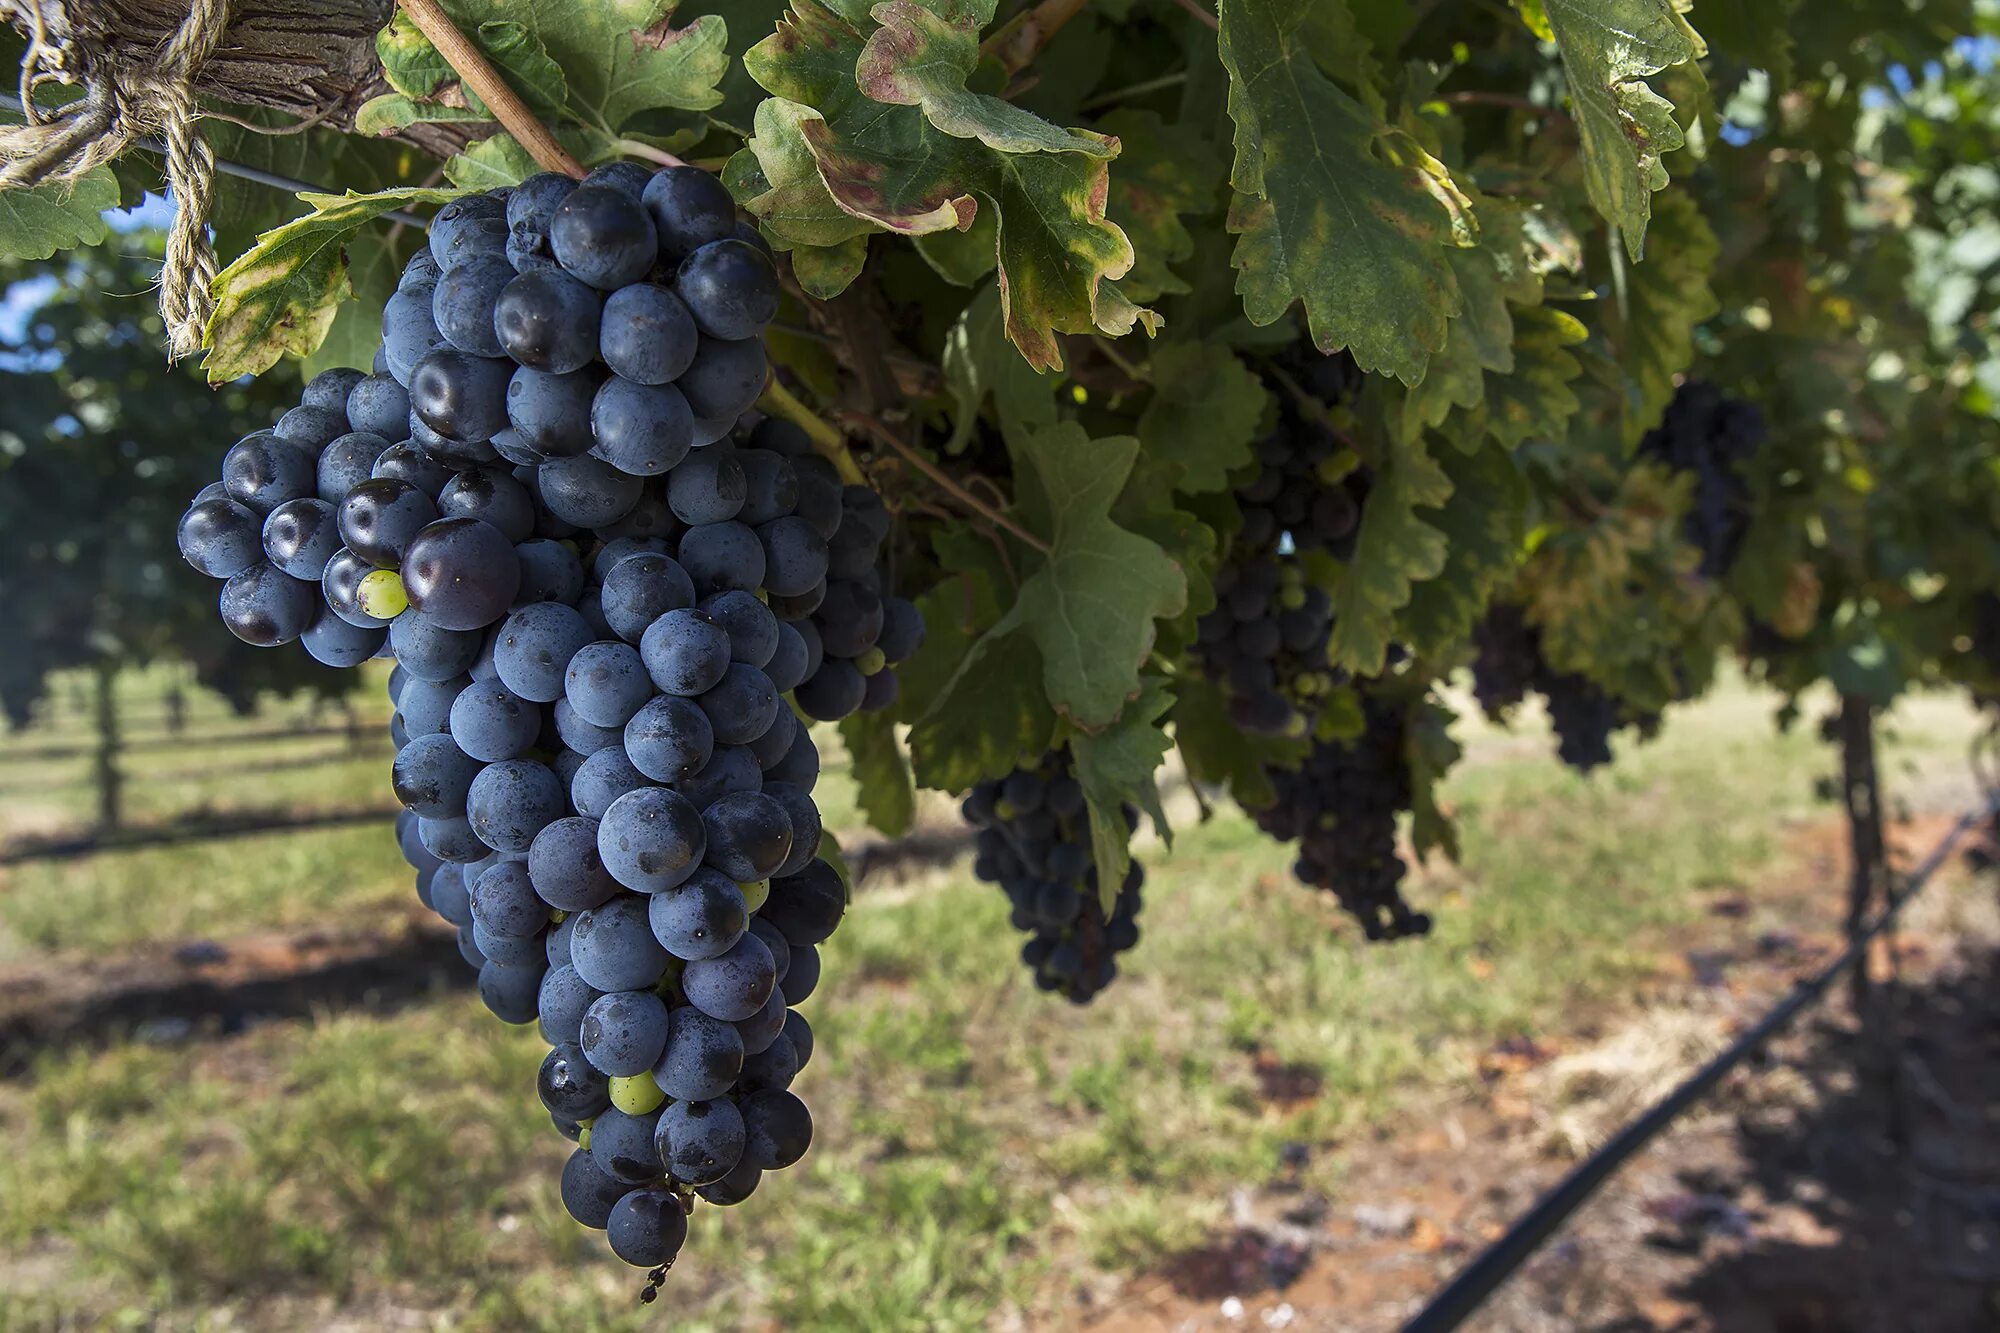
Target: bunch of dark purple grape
<point>599,581</point>
<point>1034,841</point>
<point>1341,804</point>
<point>1265,643</point>
<point>1510,664</point>
<point>1710,435</point>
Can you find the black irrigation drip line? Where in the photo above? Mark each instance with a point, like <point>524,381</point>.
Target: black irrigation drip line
<point>289,184</point>
<point>1485,1274</point>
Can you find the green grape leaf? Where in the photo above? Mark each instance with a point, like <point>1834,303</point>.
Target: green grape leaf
<point>625,56</point>
<point>1666,299</point>
<point>1535,401</point>
<point>1091,606</point>
<point>1484,523</point>
<point>777,179</point>
<point>961,258</point>
<point>1203,415</point>
<point>1609,49</point>
<point>1393,550</point>
<point>986,717</point>
<point>824,271</point>
<point>1430,751</point>
<point>1164,172</point>
<point>428,89</point>
<point>279,297</point>
<point>1480,340</point>
<point>1220,753</point>
<point>978,362</point>
<point>1320,216</point>
<point>933,156</point>
<point>1115,766</point>
<point>491,164</point>
<point>887,794</point>
<point>36,223</point>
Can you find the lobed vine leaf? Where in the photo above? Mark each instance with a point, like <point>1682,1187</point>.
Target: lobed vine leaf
<point>1609,49</point>
<point>1203,416</point>
<point>36,223</point>
<point>1117,766</point>
<point>1393,550</point>
<point>1320,214</point>
<point>885,790</point>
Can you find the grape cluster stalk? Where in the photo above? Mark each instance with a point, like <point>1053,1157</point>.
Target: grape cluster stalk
<point>1035,842</point>
<point>601,577</point>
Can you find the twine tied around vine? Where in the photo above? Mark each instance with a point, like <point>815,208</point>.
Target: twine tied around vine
<point>127,95</point>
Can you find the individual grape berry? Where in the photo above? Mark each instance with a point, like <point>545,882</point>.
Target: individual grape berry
<point>332,641</point>
<point>492,495</point>
<point>628,178</point>
<point>749,835</point>
<point>588,1194</point>
<point>642,588</point>
<point>550,572</point>
<point>651,839</point>
<point>646,334</point>
<point>752,629</point>
<point>535,646</point>
<point>792,658</point>
<point>512,801</point>
<point>222,537</point>
<point>720,556</point>
<point>689,207</point>
<point>564,999</point>
<point>741,705</point>
<point>462,303</point>
<point>261,472</point>
<point>328,390</point>
<point>491,723</point>
<point>725,377</point>
<point>380,517</point>
<point>709,488</point>
<point>429,651</point>
<point>640,429</point>
<point>685,652</point>
<point>902,632</point>
<point>587,491</point>
<point>409,332</point>
<point>466,229</point>
<point>311,428</point>
<point>535,199</point>
<point>425,705</point>
<point>460,396</point>
<point>606,683</point>
<point>504,902</point>
<point>729,769</point>
<point>806,906</point>
<point>461,573</point>
<point>548,320</point>
<point>346,462</point>
<point>603,237</point>
<point>406,462</point>
<point>803,812</point>
<point>833,692</point>
<point>340,585</point>
<point>584,738</point>
<point>603,777</point>
<point>264,607</point>
<point>701,1141</point>
<point>623,1032</point>
<point>550,412</point>
<point>733,985</point>
<point>647,1227</point>
<point>795,556</point>
<point>777,1130</point>
<point>730,287</point>
<point>565,868</point>
<point>699,918</point>
<point>433,777</point>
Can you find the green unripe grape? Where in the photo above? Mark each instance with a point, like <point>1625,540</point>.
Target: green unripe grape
<point>756,893</point>
<point>381,594</point>
<point>637,1095</point>
<point>1292,598</point>
<point>870,662</point>
<point>583,1136</point>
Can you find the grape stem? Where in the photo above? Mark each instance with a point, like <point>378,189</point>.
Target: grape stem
<point>471,65</point>
<point>1209,20</point>
<point>943,480</point>
<point>778,401</point>
<point>658,156</point>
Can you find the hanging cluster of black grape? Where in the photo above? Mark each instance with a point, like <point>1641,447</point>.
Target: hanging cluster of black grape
<point>598,580</point>
<point>1265,643</point>
<point>1341,805</point>
<point>1035,842</point>
<point>1710,435</point>
<point>1510,664</point>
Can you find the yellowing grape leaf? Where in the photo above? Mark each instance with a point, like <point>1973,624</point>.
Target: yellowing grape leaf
<point>280,295</point>
<point>1163,172</point>
<point>897,141</point>
<point>1535,401</point>
<point>1609,49</point>
<point>1484,523</point>
<point>36,223</point>
<point>1322,217</point>
<point>1666,298</point>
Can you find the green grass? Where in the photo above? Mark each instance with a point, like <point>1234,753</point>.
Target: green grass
<point>980,1149</point>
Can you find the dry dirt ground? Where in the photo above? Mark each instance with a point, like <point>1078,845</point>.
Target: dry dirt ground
<point>1848,1183</point>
